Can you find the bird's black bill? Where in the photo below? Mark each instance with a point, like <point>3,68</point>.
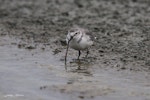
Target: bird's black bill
<point>67,50</point>
<point>66,54</point>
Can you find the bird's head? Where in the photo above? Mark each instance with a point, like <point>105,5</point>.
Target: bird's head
<point>74,33</point>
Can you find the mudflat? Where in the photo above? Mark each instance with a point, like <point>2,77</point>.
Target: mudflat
<point>32,49</point>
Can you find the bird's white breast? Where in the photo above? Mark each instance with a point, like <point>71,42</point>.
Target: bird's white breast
<point>84,43</point>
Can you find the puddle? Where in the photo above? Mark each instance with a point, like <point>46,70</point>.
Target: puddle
<point>40,75</point>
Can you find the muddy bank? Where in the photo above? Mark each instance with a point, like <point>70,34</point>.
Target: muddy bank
<point>122,27</point>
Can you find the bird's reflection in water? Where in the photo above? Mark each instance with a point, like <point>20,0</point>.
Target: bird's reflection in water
<point>80,66</point>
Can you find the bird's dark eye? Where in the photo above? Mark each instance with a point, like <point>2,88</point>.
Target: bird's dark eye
<point>76,33</point>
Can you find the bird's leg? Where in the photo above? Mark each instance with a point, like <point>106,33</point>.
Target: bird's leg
<point>79,54</point>
<point>87,52</point>
<point>79,65</point>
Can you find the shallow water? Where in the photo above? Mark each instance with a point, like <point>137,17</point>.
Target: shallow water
<point>40,75</point>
